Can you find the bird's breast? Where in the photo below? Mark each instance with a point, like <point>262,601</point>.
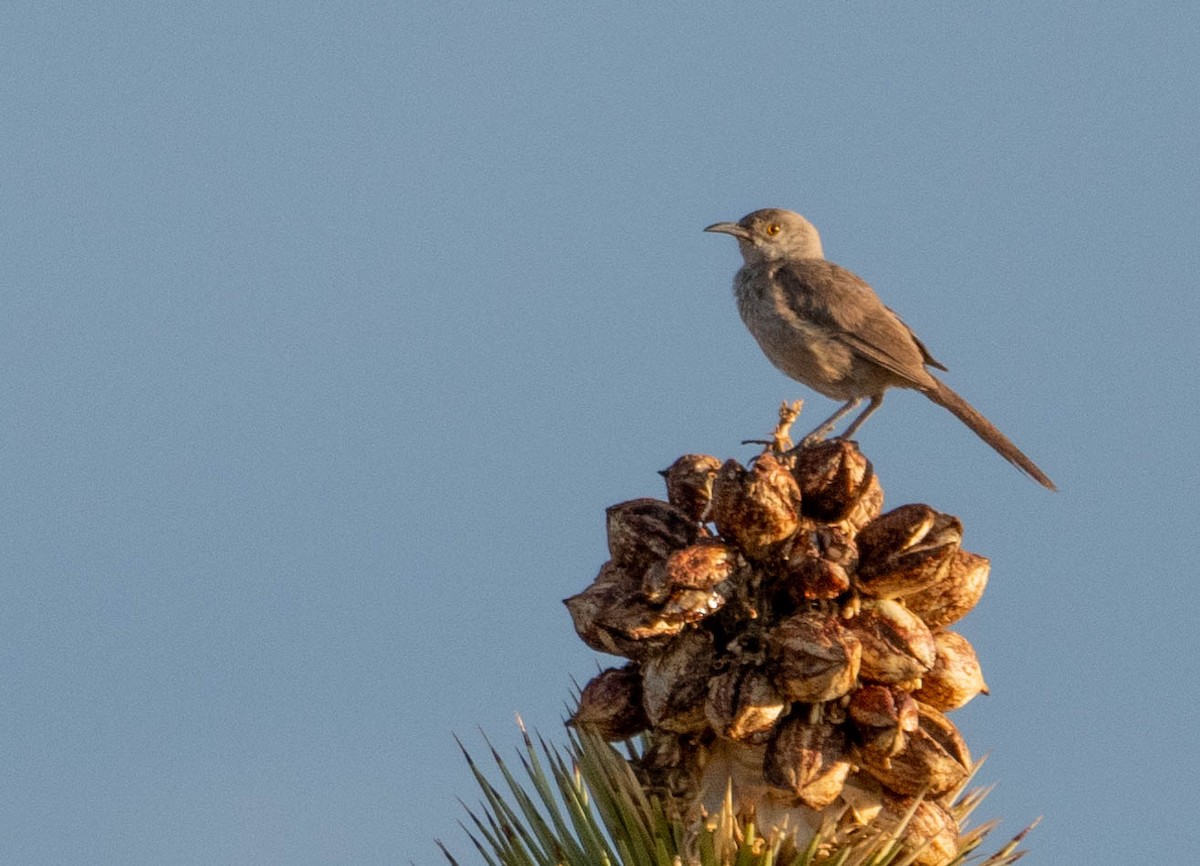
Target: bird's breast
<point>804,350</point>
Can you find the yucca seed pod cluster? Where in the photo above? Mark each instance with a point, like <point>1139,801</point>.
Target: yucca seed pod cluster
<point>786,638</point>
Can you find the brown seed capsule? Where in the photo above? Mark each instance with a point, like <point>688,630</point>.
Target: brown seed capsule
<point>698,566</point>
<point>815,659</point>
<point>906,550</point>
<point>642,531</point>
<point>613,586</point>
<point>956,676</point>
<point>883,717</point>
<point>612,616</point>
<point>687,585</point>
<point>758,508</point>
<point>669,766</point>
<point>692,605</point>
<point>814,578</point>
<point>934,758</point>
<point>743,705</point>
<point>953,597</point>
<point>639,620</point>
<point>811,761</point>
<point>838,483</point>
<point>896,645</point>
<point>656,584</point>
<point>611,704</point>
<point>931,833</point>
<point>689,483</point>
<point>819,565</point>
<point>675,683</point>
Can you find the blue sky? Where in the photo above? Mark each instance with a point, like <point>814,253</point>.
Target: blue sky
<point>328,331</point>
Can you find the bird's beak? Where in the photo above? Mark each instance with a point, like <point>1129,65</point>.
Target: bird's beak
<point>730,229</point>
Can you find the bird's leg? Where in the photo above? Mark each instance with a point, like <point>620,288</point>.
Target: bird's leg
<point>817,435</point>
<point>876,401</point>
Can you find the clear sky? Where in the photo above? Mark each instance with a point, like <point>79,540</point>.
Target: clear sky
<point>328,331</point>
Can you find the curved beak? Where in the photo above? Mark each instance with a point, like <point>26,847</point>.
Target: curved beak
<point>730,229</point>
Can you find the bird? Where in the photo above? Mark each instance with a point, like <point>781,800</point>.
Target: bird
<point>825,327</point>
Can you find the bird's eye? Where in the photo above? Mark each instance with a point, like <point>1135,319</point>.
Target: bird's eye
<point>774,229</point>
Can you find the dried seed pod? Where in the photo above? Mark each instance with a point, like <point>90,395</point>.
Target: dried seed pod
<point>934,758</point>
<point>637,620</point>
<point>953,597</point>
<point>688,583</point>
<point>883,717</point>
<point>656,584</point>
<point>896,645</point>
<point>810,761</point>
<point>611,704</point>
<point>815,659</point>
<point>837,545</point>
<point>698,566</point>
<point>838,483</point>
<point>642,531</point>
<point>675,683</point>
<point>906,550</point>
<point>812,578</point>
<point>613,587</point>
<point>955,677</point>
<point>931,833</point>
<point>689,483</point>
<point>743,705</point>
<point>670,766</point>
<point>612,616</point>
<point>758,508</point>
<point>819,566</point>
<point>692,605</point>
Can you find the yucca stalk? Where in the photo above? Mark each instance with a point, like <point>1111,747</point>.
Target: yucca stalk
<point>789,664</point>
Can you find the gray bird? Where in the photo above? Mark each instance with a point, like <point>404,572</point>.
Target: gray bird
<point>825,327</point>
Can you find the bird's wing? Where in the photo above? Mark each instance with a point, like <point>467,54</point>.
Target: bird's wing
<point>848,309</point>
<point>929,359</point>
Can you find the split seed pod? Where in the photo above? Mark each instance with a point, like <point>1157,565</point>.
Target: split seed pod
<point>896,645</point>
<point>956,676</point>
<point>906,550</point>
<point>743,705</point>
<point>675,683</point>
<point>931,832</point>
<point>611,704</point>
<point>756,508</point>
<point>820,567</point>
<point>934,758</point>
<point>642,531</point>
<point>613,587</point>
<point>883,717</point>
<point>698,566</point>
<point>809,761</point>
<point>689,483</point>
<point>838,483</point>
<point>815,658</point>
<point>952,598</point>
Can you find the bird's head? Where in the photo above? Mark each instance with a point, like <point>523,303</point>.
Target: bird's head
<point>772,234</point>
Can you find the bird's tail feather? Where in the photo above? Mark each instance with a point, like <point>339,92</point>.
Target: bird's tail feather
<point>987,431</point>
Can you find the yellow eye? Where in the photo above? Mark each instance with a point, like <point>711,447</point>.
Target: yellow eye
<point>774,229</point>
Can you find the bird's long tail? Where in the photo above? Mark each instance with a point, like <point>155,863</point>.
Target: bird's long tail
<point>987,431</point>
